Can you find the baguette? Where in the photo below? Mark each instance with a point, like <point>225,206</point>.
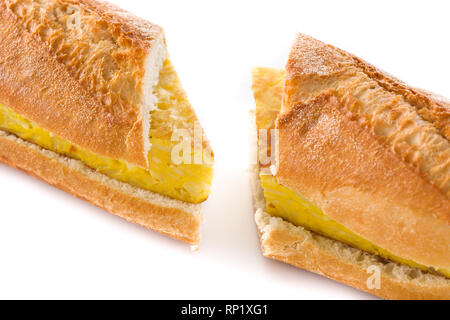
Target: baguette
<point>88,103</point>
<point>364,153</point>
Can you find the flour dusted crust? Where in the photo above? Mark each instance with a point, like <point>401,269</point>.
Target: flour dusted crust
<point>368,150</point>
<point>412,123</point>
<point>312,61</point>
<point>81,69</point>
<point>174,218</point>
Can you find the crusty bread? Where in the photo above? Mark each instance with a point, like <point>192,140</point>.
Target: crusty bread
<point>174,218</point>
<point>84,70</point>
<point>281,240</point>
<point>368,150</point>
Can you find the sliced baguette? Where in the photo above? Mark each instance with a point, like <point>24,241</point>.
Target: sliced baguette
<point>174,218</point>
<point>370,151</point>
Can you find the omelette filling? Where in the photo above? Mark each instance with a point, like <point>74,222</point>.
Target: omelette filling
<point>283,202</point>
<point>186,182</point>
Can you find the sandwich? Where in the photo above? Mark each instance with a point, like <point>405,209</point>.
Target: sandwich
<point>351,174</point>
<point>91,104</point>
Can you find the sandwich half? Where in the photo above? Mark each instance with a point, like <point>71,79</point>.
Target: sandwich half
<point>351,177</point>
<point>90,103</point>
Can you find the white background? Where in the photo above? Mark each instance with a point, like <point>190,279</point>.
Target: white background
<point>55,246</point>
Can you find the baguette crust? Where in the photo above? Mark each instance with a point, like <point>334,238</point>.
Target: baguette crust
<point>368,150</point>
<point>282,241</point>
<point>412,123</point>
<point>347,173</point>
<point>79,68</point>
<point>312,59</point>
<point>170,217</point>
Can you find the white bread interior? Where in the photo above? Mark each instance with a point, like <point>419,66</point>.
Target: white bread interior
<point>153,67</point>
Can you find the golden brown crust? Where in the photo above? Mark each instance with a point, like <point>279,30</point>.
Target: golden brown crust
<point>330,158</point>
<point>78,69</point>
<point>170,217</point>
<point>413,124</point>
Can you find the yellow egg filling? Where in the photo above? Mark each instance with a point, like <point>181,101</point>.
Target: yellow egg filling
<point>188,182</point>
